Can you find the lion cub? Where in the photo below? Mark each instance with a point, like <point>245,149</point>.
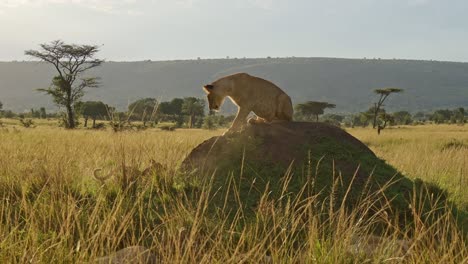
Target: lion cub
<point>250,94</point>
<point>131,173</point>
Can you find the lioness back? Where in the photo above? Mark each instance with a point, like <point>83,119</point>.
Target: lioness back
<point>266,99</point>
<point>255,84</point>
<point>250,94</point>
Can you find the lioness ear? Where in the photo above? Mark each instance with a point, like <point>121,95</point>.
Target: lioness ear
<point>208,88</point>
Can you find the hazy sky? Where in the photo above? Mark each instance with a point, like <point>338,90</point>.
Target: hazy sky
<point>187,29</point>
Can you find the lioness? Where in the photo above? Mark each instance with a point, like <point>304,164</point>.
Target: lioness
<point>250,94</point>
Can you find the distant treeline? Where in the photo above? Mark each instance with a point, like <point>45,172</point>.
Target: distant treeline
<point>364,119</point>
<point>441,116</point>
<point>191,112</point>
<point>187,112</point>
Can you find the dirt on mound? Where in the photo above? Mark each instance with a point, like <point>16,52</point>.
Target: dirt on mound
<point>281,144</point>
<point>296,160</point>
<point>322,157</point>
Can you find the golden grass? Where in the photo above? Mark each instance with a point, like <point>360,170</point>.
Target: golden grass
<point>52,210</point>
<point>77,153</point>
<point>421,152</point>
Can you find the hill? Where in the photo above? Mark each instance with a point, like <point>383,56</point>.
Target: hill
<point>346,82</point>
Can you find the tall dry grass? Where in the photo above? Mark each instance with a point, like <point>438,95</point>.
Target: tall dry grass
<point>434,153</point>
<point>52,210</point>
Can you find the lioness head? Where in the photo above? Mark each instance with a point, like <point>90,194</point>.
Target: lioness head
<point>216,96</point>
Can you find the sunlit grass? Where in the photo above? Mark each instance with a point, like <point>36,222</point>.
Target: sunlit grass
<point>52,210</point>
<point>421,152</point>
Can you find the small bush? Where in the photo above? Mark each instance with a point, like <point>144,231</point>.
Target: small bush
<point>455,144</point>
<point>167,127</point>
<point>27,123</point>
<point>63,121</point>
<point>99,126</point>
<point>208,123</point>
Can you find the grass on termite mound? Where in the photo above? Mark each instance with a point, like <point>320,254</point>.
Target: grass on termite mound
<point>293,161</point>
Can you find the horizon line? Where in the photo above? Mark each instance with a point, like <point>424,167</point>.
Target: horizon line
<point>257,58</point>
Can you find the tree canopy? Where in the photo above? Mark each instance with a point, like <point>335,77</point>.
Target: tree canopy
<point>387,91</point>
<point>312,108</point>
<point>457,115</point>
<point>174,107</point>
<point>402,118</point>
<point>93,110</point>
<point>143,109</point>
<point>70,62</point>
<point>383,95</point>
<point>193,107</point>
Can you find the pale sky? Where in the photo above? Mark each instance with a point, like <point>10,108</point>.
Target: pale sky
<point>187,29</point>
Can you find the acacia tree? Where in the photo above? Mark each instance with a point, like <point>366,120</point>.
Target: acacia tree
<point>144,109</point>
<point>42,113</point>
<point>193,107</point>
<point>171,111</point>
<point>402,118</point>
<point>93,109</point>
<point>70,61</point>
<point>312,108</point>
<point>386,119</point>
<point>459,114</point>
<point>441,116</point>
<point>383,93</point>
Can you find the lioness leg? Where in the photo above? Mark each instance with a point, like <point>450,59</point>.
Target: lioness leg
<point>257,120</point>
<point>285,109</point>
<point>239,121</point>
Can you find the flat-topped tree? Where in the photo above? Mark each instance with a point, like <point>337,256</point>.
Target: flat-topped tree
<point>312,108</point>
<point>70,61</point>
<point>383,93</point>
<point>93,109</point>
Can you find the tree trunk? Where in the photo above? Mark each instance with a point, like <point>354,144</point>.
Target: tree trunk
<point>71,117</point>
<point>94,122</point>
<point>376,111</point>
<point>191,121</point>
<point>86,121</point>
<point>316,118</point>
<point>380,128</point>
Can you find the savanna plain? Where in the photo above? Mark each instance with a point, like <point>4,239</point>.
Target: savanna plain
<point>52,209</point>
